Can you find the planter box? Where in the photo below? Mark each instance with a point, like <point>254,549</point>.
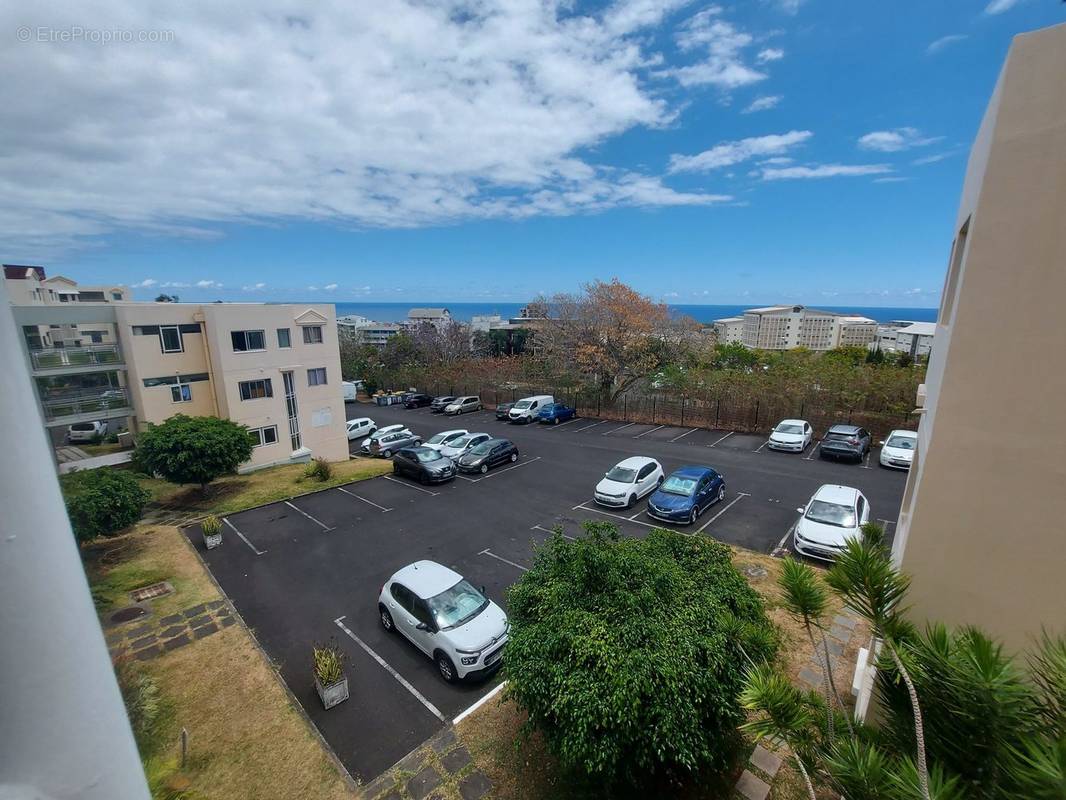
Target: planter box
<point>211,542</point>
<point>334,693</point>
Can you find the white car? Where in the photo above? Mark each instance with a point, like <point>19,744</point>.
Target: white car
<point>792,435</point>
<point>381,432</point>
<point>87,431</point>
<point>897,451</point>
<point>834,515</point>
<point>628,481</point>
<point>463,404</point>
<point>446,618</point>
<point>528,408</point>
<point>457,447</point>
<point>361,426</point>
<point>439,440</point>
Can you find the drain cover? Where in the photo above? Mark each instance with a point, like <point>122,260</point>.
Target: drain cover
<point>151,592</point>
<point>127,614</point>
<point>755,572</point>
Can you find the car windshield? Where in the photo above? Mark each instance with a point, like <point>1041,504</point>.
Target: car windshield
<point>521,404</point>
<point>462,442</point>
<point>676,484</point>
<point>789,428</point>
<point>901,442</point>
<point>622,474</point>
<point>457,605</point>
<point>83,426</point>
<point>440,437</point>
<point>426,455</point>
<point>481,449</point>
<point>831,514</point>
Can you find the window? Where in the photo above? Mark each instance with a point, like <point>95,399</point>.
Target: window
<point>254,390</point>
<point>244,341</point>
<point>316,376</point>
<point>264,436</point>
<point>170,339</point>
<point>312,334</point>
<point>293,409</point>
<point>283,338</point>
<point>171,380</point>
<point>181,393</point>
<point>116,295</point>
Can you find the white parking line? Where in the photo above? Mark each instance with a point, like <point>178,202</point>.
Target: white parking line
<point>647,432</point>
<point>546,530</point>
<point>562,424</point>
<point>357,497</point>
<point>490,554</point>
<point>887,521</point>
<point>761,446</point>
<point>403,681</point>
<point>409,486</point>
<point>866,462</point>
<point>686,433</point>
<point>593,425</point>
<point>616,516</point>
<point>463,715</point>
<point>712,444</point>
<point>325,528</point>
<point>500,471</point>
<point>788,533</point>
<point>244,538</point>
<point>615,430</point>
<point>814,449</point>
<point>740,496</point>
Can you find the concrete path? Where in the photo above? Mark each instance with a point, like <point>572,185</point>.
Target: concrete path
<point>109,460</point>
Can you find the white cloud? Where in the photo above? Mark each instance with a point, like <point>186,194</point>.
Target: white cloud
<point>823,171</point>
<point>918,162</point>
<point>208,284</point>
<point>776,160</point>
<point>176,285</point>
<point>312,288</point>
<point>396,113</point>
<point>999,6</point>
<point>764,103</point>
<point>147,283</point>
<point>937,45</point>
<point>255,287</point>
<point>895,140</point>
<point>330,287</point>
<point>891,179</point>
<point>728,153</point>
<point>769,54</point>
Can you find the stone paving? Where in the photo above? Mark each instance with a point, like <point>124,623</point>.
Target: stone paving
<point>146,639</point>
<point>441,768</point>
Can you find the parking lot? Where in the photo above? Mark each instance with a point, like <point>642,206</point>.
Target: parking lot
<point>308,570</point>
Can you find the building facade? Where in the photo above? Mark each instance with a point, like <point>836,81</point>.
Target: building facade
<point>729,330</point>
<point>437,317</point>
<point>786,327</point>
<point>904,336</point>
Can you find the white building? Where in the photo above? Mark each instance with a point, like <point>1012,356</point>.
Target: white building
<point>437,317</point>
<point>729,330</point>
<point>905,336</point>
<point>353,321</point>
<point>786,327</point>
<point>485,322</point>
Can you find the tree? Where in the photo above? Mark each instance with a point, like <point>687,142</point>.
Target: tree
<point>101,502</point>
<point>193,449</point>
<point>628,654</point>
<point>167,298</point>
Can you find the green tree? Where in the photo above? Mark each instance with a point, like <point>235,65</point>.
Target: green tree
<point>628,654</point>
<point>101,502</point>
<point>193,449</point>
<point>166,298</point>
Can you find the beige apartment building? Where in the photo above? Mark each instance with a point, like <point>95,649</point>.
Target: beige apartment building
<point>729,330</point>
<point>786,327</point>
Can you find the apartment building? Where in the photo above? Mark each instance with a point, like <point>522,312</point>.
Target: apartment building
<point>437,317</point>
<point>904,336</point>
<point>786,327</point>
<point>729,330</point>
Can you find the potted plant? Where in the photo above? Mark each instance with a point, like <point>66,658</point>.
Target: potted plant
<point>212,530</point>
<point>330,680</point>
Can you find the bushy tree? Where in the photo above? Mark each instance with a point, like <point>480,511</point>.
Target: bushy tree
<point>101,502</point>
<point>193,449</point>
<point>628,655</point>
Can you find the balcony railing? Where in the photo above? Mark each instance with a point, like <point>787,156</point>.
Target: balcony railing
<point>85,401</point>
<point>63,357</point>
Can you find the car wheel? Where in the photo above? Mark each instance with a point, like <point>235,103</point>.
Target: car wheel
<point>386,619</point>
<point>422,478</point>
<point>632,499</point>
<point>721,493</point>
<point>484,468</point>
<point>694,515</point>
<point>386,453</point>
<point>395,468</point>
<point>555,421</point>
<point>514,457</point>
<point>418,442</point>
<point>445,668</point>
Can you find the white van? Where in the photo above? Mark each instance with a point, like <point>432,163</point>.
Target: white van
<point>350,389</point>
<point>528,408</point>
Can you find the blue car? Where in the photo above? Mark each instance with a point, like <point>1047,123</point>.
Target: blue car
<point>686,494</point>
<point>554,413</point>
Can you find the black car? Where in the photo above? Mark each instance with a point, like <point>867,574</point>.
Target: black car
<point>417,400</point>
<point>424,464</point>
<point>845,441</point>
<point>502,409</point>
<point>438,404</point>
<point>487,455</point>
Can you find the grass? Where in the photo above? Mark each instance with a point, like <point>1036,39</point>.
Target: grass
<point>103,448</point>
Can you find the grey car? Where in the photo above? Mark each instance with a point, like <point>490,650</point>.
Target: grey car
<point>390,443</point>
<point>845,441</point>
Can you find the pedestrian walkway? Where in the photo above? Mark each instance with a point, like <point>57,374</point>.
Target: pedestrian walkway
<point>108,460</point>
<point>440,768</point>
<point>147,639</point>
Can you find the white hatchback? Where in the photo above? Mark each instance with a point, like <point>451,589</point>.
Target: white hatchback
<point>897,451</point>
<point>440,440</point>
<point>834,515</point>
<point>361,426</point>
<point>628,481</point>
<point>791,435</point>
<point>445,617</point>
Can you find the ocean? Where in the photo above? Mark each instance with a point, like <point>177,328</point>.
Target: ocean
<point>394,312</point>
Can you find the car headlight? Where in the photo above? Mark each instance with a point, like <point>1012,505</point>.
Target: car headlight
<point>468,660</point>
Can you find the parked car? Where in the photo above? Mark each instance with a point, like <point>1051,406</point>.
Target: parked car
<point>439,440</point>
<point>462,405</point>
<point>423,464</point>
<point>350,390</point>
<point>365,444</point>
<point>391,442</point>
<point>457,447</point>
<point>790,435</point>
<point>554,413</point>
<point>527,409</point>
<point>686,494</point>
<point>503,409</point>
<point>845,441</point>
<point>897,451</point>
<point>417,400</point>
<point>832,516</point>
<point>482,457</point>
<point>360,426</point>
<point>444,616</point>
<point>628,481</point>
<point>439,403</point>
<point>87,431</point>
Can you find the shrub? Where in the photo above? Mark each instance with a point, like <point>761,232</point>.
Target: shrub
<point>319,470</point>
<point>211,526</point>
<point>328,662</point>
<point>628,654</point>
<point>192,449</point>
<point>148,712</point>
<point>101,502</point>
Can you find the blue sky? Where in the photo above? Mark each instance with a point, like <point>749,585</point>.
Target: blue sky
<point>795,150</point>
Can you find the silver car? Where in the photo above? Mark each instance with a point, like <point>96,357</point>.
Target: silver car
<point>391,442</point>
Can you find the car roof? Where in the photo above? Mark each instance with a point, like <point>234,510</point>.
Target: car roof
<point>453,430</point>
<point>904,433</point>
<point>793,422</point>
<point>844,429</point>
<point>635,462</point>
<point>420,449</point>
<point>693,471</point>
<point>427,578</point>
<point>360,419</point>
<point>834,493</point>
<point>496,441</point>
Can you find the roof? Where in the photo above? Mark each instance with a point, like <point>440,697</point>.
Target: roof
<point>635,462</point>
<point>903,433</point>
<point>428,313</point>
<point>57,279</point>
<point>730,319</point>
<point>17,272</point>
<point>858,319</point>
<point>919,329</point>
<point>427,578</point>
<point>834,493</point>
<point>843,427</point>
<point>692,471</point>
<point>797,308</point>
<point>793,422</point>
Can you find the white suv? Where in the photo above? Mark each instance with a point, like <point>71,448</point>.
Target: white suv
<point>446,618</point>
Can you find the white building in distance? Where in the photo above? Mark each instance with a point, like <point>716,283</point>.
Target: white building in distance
<point>729,330</point>
<point>905,336</point>
<point>786,327</point>
<point>437,317</point>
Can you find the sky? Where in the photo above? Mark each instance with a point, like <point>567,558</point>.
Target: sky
<point>765,150</point>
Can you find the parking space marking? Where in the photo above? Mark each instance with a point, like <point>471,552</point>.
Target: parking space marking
<point>781,544</point>
<point>357,497</point>
<point>887,521</point>
<point>616,516</point>
<point>740,496</point>
<point>615,430</point>
<point>490,554</point>
<point>866,462</point>
<point>563,424</point>
<point>761,446</point>
<point>593,425</point>
<point>564,535</point>
<point>712,444</point>
<point>244,538</point>
<point>657,427</point>
<point>463,715</point>
<point>325,528</point>
<point>500,471</point>
<point>339,622</point>
<point>814,449</point>
<point>686,433</point>
<point>409,486</point>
